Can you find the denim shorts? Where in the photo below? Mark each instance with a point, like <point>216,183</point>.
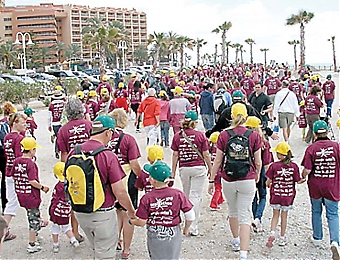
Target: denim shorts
<point>283,208</point>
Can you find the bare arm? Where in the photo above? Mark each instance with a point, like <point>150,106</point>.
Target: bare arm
<point>135,166</point>
<point>63,157</point>
<point>258,163</point>
<point>158,121</point>
<point>122,196</point>
<point>39,186</point>
<point>87,117</point>
<point>206,156</point>
<point>174,163</point>
<point>138,222</point>
<point>305,172</point>
<point>268,182</point>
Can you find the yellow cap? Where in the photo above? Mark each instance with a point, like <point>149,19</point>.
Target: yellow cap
<point>184,70</point>
<point>253,121</point>
<point>338,123</point>
<point>248,74</point>
<point>155,152</point>
<point>143,87</point>
<point>58,170</point>
<point>214,137</point>
<point>162,93</point>
<point>282,148</point>
<point>239,109</point>
<point>315,78</point>
<point>306,76</point>
<point>132,75</point>
<point>121,85</point>
<point>80,94</point>
<point>104,91</point>
<point>105,78</point>
<point>177,90</point>
<point>172,74</point>
<point>29,143</point>
<point>182,83</point>
<point>92,93</point>
<point>302,103</point>
<point>60,88</point>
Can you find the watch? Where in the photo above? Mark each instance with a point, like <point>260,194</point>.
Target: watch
<point>42,187</point>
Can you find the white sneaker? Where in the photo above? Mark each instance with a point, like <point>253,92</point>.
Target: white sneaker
<point>55,249</point>
<point>316,243</point>
<point>256,224</point>
<point>33,249</point>
<point>75,243</point>
<point>282,241</point>
<point>235,244</point>
<point>335,250</point>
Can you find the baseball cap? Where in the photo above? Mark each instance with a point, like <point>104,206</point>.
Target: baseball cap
<point>132,75</point>
<point>191,92</point>
<point>172,75</point>
<point>102,123</point>
<point>60,88</point>
<point>237,94</point>
<point>29,143</point>
<point>320,127</point>
<point>190,115</point>
<point>272,73</point>
<point>80,94</point>
<point>253,121</point>
<point>105,78</point>
<point>104,91</point>
<point>92,93</point>
<point>214,137</point>
<point>155,152</point>
<point>239,109</point>
<point>314,78</point>
<point>248,73</point>
<point>162,93</point>
<point>181,83</point>
<point>29,111</point>
<point>58,170</point>
<point>282,148</point>
<point>177,90</point>
<point>157,76</point>
<point>159,171</point>
<point>121,85</point>
<point>329,76</point>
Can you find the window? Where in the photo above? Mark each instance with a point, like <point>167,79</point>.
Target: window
<point>8,35</point>
<point>7,19</point>
<point>8,27</point>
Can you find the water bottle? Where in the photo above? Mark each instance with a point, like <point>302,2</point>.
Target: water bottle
<point>276,129</point>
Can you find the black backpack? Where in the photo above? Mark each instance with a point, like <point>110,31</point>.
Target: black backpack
<point>238,156</point>
<point>4,130</point>
<point>220,103</point>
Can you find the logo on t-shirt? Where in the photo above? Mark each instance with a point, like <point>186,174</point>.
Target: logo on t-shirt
<point>325,164</point>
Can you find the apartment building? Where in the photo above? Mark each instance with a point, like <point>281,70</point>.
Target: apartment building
<point>48,23</point>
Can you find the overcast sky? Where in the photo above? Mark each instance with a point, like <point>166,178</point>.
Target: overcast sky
<point>261,20</point>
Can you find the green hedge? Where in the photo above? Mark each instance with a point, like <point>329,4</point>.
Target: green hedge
<point>19,93</point>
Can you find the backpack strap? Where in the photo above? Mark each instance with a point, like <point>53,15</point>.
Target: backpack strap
<point>119,141</point>
<point>77,149</point>
<point>192,145</point>
<point>248,133</point>
<point>99,150</point>
<point>231,132</point>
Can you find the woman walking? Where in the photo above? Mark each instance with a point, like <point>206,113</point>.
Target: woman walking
<point>312,109</point>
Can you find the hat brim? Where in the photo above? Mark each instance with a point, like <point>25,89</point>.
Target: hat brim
<point>147,167</point>
<point>37,146</point>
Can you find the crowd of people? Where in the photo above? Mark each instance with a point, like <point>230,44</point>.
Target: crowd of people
<point>99,174</point>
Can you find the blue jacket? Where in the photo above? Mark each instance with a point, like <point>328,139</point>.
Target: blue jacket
<point>206,103</point>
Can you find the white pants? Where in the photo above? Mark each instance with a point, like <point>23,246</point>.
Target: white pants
<point>151,139</point>
<point>56,229</point>
<point>192,180</point>
<point>12,205</point>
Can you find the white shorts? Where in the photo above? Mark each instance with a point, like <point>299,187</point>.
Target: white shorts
<point>12,205</point>
<point>56,229</point>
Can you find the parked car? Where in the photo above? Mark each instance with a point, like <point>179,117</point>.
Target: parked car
<point>81,75</point>
<point>62,73</point>
<point>8,77</point>
<point>28,80</point>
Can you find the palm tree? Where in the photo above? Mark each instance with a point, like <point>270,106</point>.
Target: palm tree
<point>237,49</point>
<point>59,48</point>
<point>215,54</point>
<point>141,53</point>
<point>227,45</point>
<point>171,45</point>
<point>302,18</point>
<point>182,43</point>
<point>294,43</point>
<point>332,39</point>
<point>223,28</point>
<point>159,41</point>
<point>103,36</point>
<point>72,51</point>
<point>199,44</point>
<point>250,42</point>
<point>241,51</point>
<point>265,55</point>
<point>8,54</point>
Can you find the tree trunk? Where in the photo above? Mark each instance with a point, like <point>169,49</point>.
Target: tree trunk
<point>215,55</point>
<point>198,55</point>
<point>236,55</point>
<point>102,62</point>
<point>334,57</point>
<point>251,54</point>
<point>182,57</point>
<point>227,50</point>
<point>223,48</point>
<point>241,55</point>
<point>295,60</point>
<point>302,45</point>
<point>156,59</point>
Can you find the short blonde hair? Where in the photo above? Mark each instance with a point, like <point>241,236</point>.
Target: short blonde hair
<point>122,119</point>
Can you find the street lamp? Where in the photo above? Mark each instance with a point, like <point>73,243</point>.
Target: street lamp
<point>21,58</point>
<point>23,39</point>
<point>123,47</point>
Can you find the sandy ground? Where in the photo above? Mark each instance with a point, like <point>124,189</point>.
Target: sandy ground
<point>214,241</point>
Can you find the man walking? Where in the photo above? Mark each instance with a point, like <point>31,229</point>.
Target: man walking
<point>285,107</point>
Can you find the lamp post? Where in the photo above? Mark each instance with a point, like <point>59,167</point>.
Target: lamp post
<point>21,58</point>
<point>23,39</point>
<point>123,47</point>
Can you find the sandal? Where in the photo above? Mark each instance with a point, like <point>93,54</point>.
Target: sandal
<point>80,238</point>
<point>9,236</point>
<point>126,255</point>
<point>43,223</point>
<point>119,246</point>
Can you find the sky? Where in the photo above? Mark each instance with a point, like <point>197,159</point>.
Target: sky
<point>261,20</point>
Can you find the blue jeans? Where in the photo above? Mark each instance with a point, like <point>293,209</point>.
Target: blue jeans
<point>56,130</point>
<point>331,215</point>
<point>329,103</point>
<point>259,201</point>
<point>208,121</point>
<point>165,126</point>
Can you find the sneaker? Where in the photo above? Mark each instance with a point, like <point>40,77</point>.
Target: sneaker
<point>256,223</point>
<point>316,243</point>
<point>270,241</point>
<point>335,250</point>
<point>235,244</point>
<point>52,139</point>
<point>33,249</point>
<point>194,233</point>
<point>217,208</point>
<point>55,249</point>
<point>282,241</point>
<point>75,243</point>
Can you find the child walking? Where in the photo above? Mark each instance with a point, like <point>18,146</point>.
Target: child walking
<point>302,121</point>
<point>160,210</point>
<point>282,176</point>
<point>217,198</point>
<point>27,187</point>
<point>60,210</point>
<point>31,125</point>
<point>164,118</point>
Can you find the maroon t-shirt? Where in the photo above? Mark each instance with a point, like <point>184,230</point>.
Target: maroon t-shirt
<point>312,105</point>
<point>121,93</point>
<point>186,155</point>
<point>30,127</point>
<point>59,210</point>
<point>73,133</point>
<point>102,105</point>
<point>93,109</point>
<point>104,85</point>
<point>12,148</point>
<point>273,85</point>
<point>161,207</point>
<point>23,171</point>
<point>323,159</point>
<point>284,177</point>
<point>108,167</point>
<point>56,107</point>
<point>297,88</point>
<point>255,144</point>
<point>128,149</point>
<point>136,97</point>
<point>328,89</point>
<point>248,85</point>
<point>267,156</point>
<point>143,182</point>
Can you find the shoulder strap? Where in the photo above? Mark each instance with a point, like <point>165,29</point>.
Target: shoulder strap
<point>191,145</point>
<point>77,149</point>
<point>283,100</point>
<point>119,141</point>
<point>248,133</point>
<point>99,150</point>
<point>230,132</point>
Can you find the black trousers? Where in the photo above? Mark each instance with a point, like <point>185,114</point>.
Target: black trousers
<point>3,179</point>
